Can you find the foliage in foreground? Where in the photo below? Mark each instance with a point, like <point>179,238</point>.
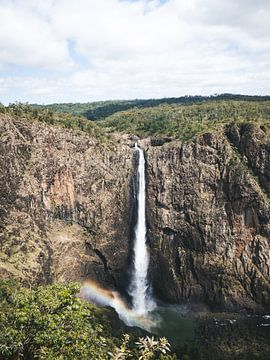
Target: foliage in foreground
<point>51,322</point>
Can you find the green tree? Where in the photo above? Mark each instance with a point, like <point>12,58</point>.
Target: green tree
<point>51,322</point>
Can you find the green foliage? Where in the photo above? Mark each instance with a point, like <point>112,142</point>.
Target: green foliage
<point>186,121</point>
<point>102,109</point>
<point>47,116</point>
<point>2,108</point>
<point>51,322</point>
<point>179,118</point>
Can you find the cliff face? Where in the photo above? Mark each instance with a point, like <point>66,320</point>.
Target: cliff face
<point>209,219</point>
<point>65,210</point>
<point>64,201</point>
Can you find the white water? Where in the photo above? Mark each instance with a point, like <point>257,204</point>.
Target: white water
<point>139,289</point>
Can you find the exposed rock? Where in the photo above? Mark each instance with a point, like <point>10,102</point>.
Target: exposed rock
<point>64,204</point>
<point>209,224</point>
<point>159,141</point>
<point>66,211</point>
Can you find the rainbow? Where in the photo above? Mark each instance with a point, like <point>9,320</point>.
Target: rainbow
<point>91,291</point>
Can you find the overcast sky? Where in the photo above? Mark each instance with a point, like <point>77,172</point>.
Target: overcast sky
<point>86,50</point>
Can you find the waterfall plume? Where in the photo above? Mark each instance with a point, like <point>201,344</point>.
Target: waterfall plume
<point>139,287</point>
<point>93,292</point>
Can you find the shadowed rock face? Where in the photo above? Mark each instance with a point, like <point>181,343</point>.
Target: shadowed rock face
<point>66,210</point>
<point>209,220</point>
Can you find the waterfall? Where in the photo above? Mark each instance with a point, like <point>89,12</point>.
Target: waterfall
<point>139,288</point>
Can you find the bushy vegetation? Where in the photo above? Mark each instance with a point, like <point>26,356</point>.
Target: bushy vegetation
<point>94,110</point>
<point>102,109</point>
<point>185,121</point>
<point>182,121</point>
<point>66,120</point>
<point>51,322</point>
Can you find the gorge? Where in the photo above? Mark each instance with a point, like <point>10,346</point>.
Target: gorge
<point>83,203</point>
<point>66,212</point>
<point>139,287</point>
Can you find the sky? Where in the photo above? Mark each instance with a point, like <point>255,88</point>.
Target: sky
<point>89,50</point>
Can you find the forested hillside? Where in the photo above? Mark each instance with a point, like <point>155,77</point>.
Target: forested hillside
<point>185,121</point>
<point>179,121</point>
<point>102,109</point>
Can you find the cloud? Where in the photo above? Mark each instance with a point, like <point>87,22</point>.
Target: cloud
<point>27,39</point>
<point>86,50</point>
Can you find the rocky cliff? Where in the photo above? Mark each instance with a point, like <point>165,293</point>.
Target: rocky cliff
<point>66,211</point>
<point>64,204</point>
<point>209,219</point>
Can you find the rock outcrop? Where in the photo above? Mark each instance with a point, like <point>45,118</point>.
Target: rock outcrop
<point>64,204</point>
<point>209,219</point>
<point>66,211</point>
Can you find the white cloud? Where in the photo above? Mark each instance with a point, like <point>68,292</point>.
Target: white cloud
<point>127,49</point>
<point>27,39</point>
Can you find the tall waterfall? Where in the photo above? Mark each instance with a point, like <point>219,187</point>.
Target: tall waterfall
<point>139,288</point>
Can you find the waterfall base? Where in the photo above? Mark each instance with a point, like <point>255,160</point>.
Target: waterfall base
<point>91,291</point>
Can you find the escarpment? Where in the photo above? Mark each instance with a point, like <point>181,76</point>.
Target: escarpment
<point>64,201</point>
<point>65,211</point>
<point>209,220</point>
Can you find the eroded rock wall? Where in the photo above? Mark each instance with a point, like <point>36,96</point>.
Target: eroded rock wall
<point>208,217</point>
<point>64,204</point>
<point>66,211</point>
